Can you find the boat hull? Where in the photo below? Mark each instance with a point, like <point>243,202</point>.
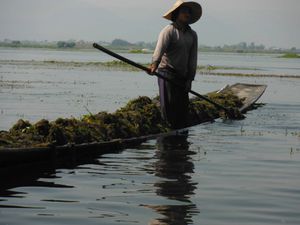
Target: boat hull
<point>10,157</point>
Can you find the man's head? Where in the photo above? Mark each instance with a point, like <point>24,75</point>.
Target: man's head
<point>184,11</point>
<point>183,15</point>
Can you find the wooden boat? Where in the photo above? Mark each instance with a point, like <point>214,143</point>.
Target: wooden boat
<point>12,157</point>
<point>250,93</point>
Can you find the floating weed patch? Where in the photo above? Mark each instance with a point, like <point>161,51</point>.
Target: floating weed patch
<point>121,66</point>
<point>290,55</point>
<point>212,68</point>
<point>141,116</point>
<point>230,74</point>
<point>13,84</point>
<point>110,65</point>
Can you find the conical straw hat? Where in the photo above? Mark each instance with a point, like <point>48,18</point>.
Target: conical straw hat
<point>194,6</point>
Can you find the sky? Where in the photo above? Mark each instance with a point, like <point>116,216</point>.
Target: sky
<point>269,22</point>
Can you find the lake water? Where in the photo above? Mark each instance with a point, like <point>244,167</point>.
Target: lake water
<point>226,172</point>
<point>253,63</point>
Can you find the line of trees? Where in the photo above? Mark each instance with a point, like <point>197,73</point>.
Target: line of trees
<point>121,44</point>
<point>64,44</point>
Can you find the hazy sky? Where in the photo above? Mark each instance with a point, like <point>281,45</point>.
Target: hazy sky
<point>269,22</point>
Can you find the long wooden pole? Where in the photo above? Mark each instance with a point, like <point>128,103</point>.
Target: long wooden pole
<point>99,47</point>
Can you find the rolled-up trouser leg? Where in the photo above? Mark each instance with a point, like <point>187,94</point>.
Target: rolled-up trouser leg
<point>174,102</point>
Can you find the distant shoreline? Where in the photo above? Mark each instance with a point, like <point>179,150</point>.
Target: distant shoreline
<point>135,50</point>
<point>142,47</point>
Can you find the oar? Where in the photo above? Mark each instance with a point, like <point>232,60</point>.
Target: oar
<point>230,112</point>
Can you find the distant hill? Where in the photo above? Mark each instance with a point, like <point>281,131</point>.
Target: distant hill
<point>121,43</point>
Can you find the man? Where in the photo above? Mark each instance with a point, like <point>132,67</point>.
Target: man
<point>175,57</point>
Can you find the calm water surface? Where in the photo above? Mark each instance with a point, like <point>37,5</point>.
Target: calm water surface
<point>227,172</point>
<point>248,63</point>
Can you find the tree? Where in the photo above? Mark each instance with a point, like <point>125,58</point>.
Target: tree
<point>63,44</point>
<point>252,45</point>
<point>293,49</point>
<point>16,43</point>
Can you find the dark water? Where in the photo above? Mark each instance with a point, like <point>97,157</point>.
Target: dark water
<point>232,172</point>
<point>227,172</point>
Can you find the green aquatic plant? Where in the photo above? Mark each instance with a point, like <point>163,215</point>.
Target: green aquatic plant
<point>208,68</point>
<point>290,55</point>
<point>202,109</point>
<point>121,66</point>
<point>140,116</point>
<point>140,51</point>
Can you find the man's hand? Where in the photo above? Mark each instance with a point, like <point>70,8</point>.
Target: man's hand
<point>152,68</point>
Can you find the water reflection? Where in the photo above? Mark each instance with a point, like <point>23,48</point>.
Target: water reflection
<point>175,166</point>
<point>28,175</point>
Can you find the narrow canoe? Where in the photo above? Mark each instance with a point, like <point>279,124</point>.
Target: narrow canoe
<point>11,157</point>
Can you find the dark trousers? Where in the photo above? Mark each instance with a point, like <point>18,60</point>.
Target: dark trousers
<point>174,101</point>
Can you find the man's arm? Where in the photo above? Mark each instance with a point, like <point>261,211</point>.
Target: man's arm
<point>163,41</point>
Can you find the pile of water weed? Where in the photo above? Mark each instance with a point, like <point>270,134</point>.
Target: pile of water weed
<point>109,65</point>
<point>205,111</point>
<point>141,116</point>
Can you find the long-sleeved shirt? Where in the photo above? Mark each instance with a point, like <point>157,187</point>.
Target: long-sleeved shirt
<point>177,50</point>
